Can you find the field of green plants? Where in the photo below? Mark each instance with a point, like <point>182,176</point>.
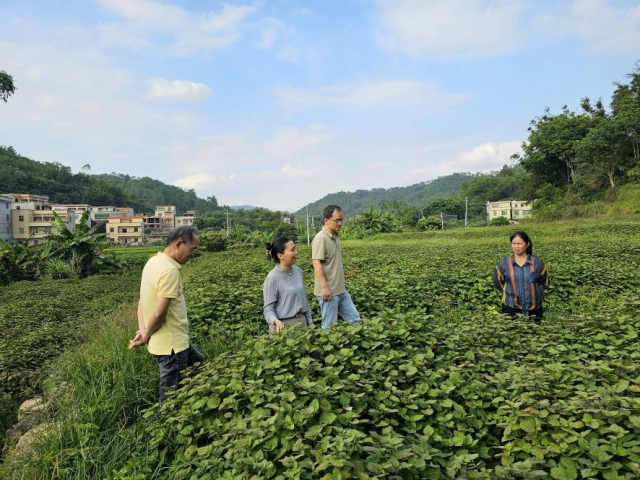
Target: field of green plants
<point>433,384</point>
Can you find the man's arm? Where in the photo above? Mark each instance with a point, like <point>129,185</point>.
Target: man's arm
<point>154,322</point>
<point>319,271</point>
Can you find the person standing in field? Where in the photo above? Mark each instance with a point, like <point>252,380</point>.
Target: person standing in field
<point>163,324</point>
<point>285,298</point>
<point>522,279</point>
<point>330,286</point>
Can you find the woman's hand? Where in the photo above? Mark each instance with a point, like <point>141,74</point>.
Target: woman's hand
<point>278,324</point>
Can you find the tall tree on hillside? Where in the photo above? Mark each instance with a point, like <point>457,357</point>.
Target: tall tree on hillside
<point>625,106</point>
<point>6,86</point>
<point>602,156</point>
<point>550,153</point>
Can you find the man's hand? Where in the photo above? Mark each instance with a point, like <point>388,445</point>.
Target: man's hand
<point>139,339</point>
<point>278,324</point>
<point>326,294</point>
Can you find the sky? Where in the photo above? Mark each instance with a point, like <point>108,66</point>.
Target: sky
<point>276,103</point>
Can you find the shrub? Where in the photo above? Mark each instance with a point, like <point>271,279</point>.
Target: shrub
<point>498,222</point>
<point>213,241</point>
<point>429,223</point>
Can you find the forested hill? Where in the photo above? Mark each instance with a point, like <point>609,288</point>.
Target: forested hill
<point>24,175</point>
<point>416,195</point>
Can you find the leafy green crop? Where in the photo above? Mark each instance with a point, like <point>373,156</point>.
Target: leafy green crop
<point>402,397</point>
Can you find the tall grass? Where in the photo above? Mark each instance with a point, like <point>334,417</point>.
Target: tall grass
<point>95,399</point>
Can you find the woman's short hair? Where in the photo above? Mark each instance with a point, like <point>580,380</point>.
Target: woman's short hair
<point>276,247</point>
<point>526,240</point>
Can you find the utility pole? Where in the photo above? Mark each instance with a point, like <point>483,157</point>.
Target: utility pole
<point>308,235</point>
<point>466,207</point>
<point>442,221</point>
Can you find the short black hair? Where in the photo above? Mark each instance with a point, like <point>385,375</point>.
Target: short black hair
<point>185,233</point>
<point>329,209</point>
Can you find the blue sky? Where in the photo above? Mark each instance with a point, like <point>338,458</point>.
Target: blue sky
<point>277,103</point>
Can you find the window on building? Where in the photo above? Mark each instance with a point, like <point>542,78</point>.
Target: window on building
<point>526,213</point>
<point>504,213</point>
<point>21,230</point>
<point>124,230</point>
<point>516,213</point>
<point>21,218</point>
<point>178,221</point>
<point>135,229</point>
<point>111,229</point>
<point>17,207</point>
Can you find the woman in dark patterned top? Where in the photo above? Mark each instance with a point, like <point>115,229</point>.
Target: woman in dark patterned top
<point>521,278</point>
<point>285,298</point>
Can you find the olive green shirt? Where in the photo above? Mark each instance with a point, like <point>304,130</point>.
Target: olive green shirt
<point>326,248</point>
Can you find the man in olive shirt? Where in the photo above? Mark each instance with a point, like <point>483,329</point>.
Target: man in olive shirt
<point>330,288</point>
<point>162,313</point>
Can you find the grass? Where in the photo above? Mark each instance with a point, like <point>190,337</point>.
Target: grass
<point>96,395</point>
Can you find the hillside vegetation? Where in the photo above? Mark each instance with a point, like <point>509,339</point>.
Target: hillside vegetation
<point>24,175</point>
<point>416,195</point>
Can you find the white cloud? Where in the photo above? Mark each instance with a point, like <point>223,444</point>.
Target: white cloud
<point>486,157</point>
<point>606,26</point>
<point>270,29</point>
<point>394,93</point>
<point>292,142</point>
<point>446,29</point>
<point>288,54</point>
<point>163,89</point>
<point>147,22</point>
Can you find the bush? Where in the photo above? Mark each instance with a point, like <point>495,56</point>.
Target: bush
<point>213,241</point>
<point>498,222</point>
<point>429,223</point>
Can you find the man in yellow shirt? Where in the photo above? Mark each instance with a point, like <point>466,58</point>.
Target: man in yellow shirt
<point>163,324</point>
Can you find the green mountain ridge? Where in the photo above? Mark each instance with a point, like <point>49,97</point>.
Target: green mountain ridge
<point>416,195</point>
<point>24,175</point>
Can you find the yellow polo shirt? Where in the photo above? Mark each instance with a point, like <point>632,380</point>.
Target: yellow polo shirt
<point>161,278</point>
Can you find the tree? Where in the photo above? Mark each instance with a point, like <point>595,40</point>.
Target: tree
<point>80,249</point>
<point>602,154</point>
<point>407,215</point>
<point>625,106</point>
<point>446,205</point>
<point>377,221</point>
<point>550,154</point>
<point>6,86</point>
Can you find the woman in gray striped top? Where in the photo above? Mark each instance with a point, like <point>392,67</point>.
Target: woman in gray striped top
<point>285,298</point>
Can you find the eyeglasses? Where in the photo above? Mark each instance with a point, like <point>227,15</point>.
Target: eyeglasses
<point>337,220</point>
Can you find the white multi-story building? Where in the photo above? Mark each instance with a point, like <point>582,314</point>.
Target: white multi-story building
<point>6,228</point>
<point>510,209</point>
